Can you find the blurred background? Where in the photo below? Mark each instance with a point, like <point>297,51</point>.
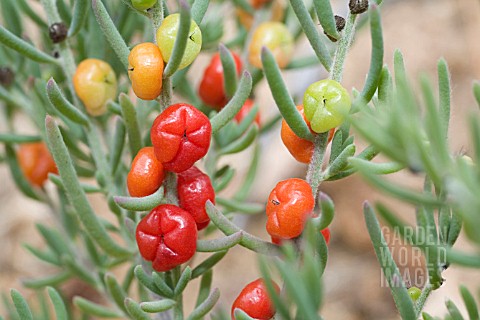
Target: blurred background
<point>425,31</point>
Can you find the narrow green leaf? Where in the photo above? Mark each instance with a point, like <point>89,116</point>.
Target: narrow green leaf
<point>248,241</point>
<point>280,305</point>
<point>129,115</point>
<point>469,303</point>
<point>453,310</point>
<point>221,183</point>
<point>141,204</point>
<point>135,311</point>
<point>311,32</point>
<point>341,161</point>
<point>476,92</point>
<point>282,98</point>
<point>199,8</point>
<point>205,285</point>
<point>75,193</point>
<point>385,85</point>
<point>326,17</point>
<point>145,279</point>
<point>77,269</point>
<point>88,188</point>
<point>183,281</point>
<point>11,18</point>
<point>181,40</point>
<point>47,281</point>
<point>157,306</point>
<point>111,33</point>
<point>234,105</point>
<point>27,9</point>
<point>397,286</point>
<point>207,264</point>
<point>244,190</point>
<point>116,149</point>
<point>46,256</point>
<point>23,47</point>
<point>80,14</point>
<point>444,90</point>
<point>426,316</point>
<point>57,100</point>
<point>18,177</point>
<point>21,305</point>
<point>241,143</point>
<point>376,62</point>
<point>248,120</point>
<point>58,304</point>
<point>327,213</point>
<point>454,229</point>
<point>240,206</point>
<point>241,315</point>
<point>16,138</point>
<point>229,71</point>
<point>380,168</point>
<point>54,239</point>
<point>221,244</point>
<point>463,259</point>
<point>205,307</point>
<point>116,291</point>
<point>161,284</point>
<point>395,190</point>
<point>95,309</point>
<point>337,143</point>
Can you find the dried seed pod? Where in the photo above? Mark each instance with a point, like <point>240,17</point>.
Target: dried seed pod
<point>6,76</point>
<point>340,25</point>
<point>358,6</point>
<point>58,32</point>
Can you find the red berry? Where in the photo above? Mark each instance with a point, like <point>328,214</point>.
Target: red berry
<point>247,106</point>
<point>146,174</point>
<point>194,189</point>
<point>180,136</point>
<point>254,301</point>
<point>211,89</point>
<point>289,205</point>
<point>167,236</point>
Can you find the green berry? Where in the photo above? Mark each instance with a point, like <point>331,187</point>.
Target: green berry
<point>143,4</point>
<point>414,293</point>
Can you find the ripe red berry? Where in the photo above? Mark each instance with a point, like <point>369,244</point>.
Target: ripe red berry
<point>289,205</point>
<point>211,89</point>
<point>167,236</point>
<point>194,189</point>
<point>146,173</point>
<point>247,106</point>
<point>36,162</point>
<point>180,136</point>
<point>254,301</point>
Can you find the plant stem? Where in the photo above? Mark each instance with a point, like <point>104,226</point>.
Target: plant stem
<point>342,49</point>
<point>427,289</point>
<point>314,173</point>
<point>156,16</point>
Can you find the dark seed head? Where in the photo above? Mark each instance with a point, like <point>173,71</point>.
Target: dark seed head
<point>340,24</point>
<point>6,76</point>
<point>58,32</point>
<point>358,6</point>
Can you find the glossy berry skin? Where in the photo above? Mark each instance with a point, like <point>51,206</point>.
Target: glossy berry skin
<point>247,106</point>
<point>254,301</point>
<point>414,293</point>
<point>211,89</point>
<point>276,37</point>
<point>289,205</point>
<point>326,104</point>
<point>145,70</point>
<point>300,149</point>
<point>36,162</point>
<point>167,33</point>
<point>167,236</point>
<point>143,4</point>
<point>95,83</point>
<point>194,188</point>
<point>146,174</point>
<point>180,136</point>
